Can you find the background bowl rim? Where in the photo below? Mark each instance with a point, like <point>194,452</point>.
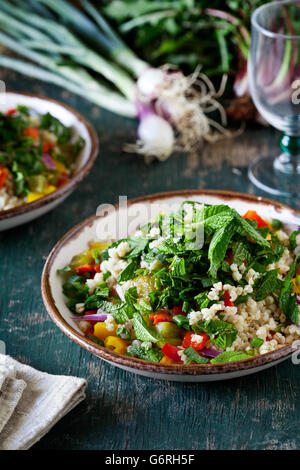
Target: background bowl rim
<point>75,179</point>
<point>140,364</point>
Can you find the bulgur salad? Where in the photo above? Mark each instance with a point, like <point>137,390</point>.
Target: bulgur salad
<point>154,297</point>
<point>37,156</point>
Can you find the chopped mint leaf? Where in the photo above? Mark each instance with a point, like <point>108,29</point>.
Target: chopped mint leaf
<point>143,307</point>
<point>153,355</point>
<point>245,228</point>
<point>182,321</point>
<point>66,269</point>
<point>128,272</point>
<point>240,252</point>
<point>106,275</point>
<point>96,340</point>
<point>142,331</point>
<point>137,246</point>
<point>277,224</point>
<point>241,299</point>
<point>193,356</point>
<point>218,246</point>
<point>220,332</point>
<point>257,342</point>
<point>123,333</point>
<point>268,283</point>
<point>287,301</point>
<point>109,307</point>
<point>202,300</point>
<point>292,239</point>
<point>231,356</point>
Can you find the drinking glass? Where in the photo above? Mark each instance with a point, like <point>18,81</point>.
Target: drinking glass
<point>274,79</point>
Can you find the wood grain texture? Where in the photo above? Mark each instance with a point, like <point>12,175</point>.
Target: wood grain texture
<point>124,411</point>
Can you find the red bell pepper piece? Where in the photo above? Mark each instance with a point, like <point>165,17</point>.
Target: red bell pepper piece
<point>177,310</point>
<point>187,341</point>
<point>270,336</point>
<point>32,132</point>
<point>93,322</point>
<point>3,175</point>
<point>10,112</point>
<point>90,331</point>
<point>171,351</point>
<point>63,179</point>
<point>91,312</point>
<point>47,146</point>
<point>86,268</point>
<point>160,316</point>
<point>253,215</point>
<point>227,301</point>
<point>229,257</point>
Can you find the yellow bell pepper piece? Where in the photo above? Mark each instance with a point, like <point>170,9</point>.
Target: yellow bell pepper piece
<point>82,258</point>
<point>33,196</point>
<point>296,283</point>
<point>60,166</point>
<point>49,189</point>
<point>99,245</point>
<point>167,360</point>
<point>101,331</point>
<point>116,344</point>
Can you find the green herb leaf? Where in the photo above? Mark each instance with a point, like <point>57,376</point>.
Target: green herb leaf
<point>218,246</point>
<point>182,321</point>
<point>137,246</point>
<point>193,356</point>
<point>245,228</point>
<point>269,283</point>
<point>220,332</point>
<point>287,301</point>
<point>96,340</point>
<point>153,355</point>
<point>123,333</point>
<point>292,240</point>
<point>231,356</point>
<point>257,342</point>
<point>276,224</point>
<point>142,331</point>
<point>128,272</point>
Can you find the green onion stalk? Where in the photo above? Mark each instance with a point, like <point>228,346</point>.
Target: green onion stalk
<point>78,50</point>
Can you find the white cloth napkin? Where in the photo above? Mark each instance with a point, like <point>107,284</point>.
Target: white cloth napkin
<point>31,402</point>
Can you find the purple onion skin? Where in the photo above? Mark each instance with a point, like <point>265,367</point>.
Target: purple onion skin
<point>95,317</point>
<point>209,352</point>
<point>48,162</point>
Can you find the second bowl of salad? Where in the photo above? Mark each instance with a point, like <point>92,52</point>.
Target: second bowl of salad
<point>46,149</point>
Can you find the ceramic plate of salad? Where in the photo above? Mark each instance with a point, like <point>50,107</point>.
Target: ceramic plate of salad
<point>46,149</point>
<point>201,286</point>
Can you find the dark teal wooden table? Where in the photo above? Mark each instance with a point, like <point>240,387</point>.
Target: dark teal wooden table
<point>122,410</point>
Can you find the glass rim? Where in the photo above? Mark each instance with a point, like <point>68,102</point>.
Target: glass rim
<point>267,32</point>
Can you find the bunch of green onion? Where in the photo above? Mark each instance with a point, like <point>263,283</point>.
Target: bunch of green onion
<point>78,50</point>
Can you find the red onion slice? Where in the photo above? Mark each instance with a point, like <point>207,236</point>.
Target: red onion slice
<point>95,317</point>
<point>48,162</point>
<point>209,352</point>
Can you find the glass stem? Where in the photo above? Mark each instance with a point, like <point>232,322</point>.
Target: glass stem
<point>289,161</point>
